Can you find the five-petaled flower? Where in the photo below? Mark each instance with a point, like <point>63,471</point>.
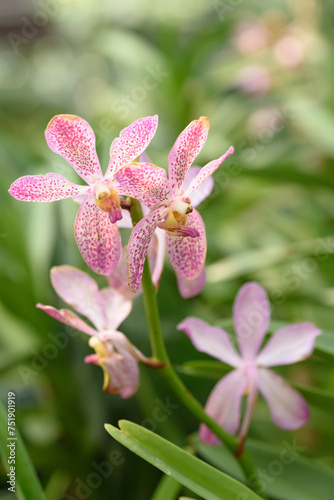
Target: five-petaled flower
<point>170,205</point>
<point>292,343</point>
<point>106,309</point>
<point>96,233</point>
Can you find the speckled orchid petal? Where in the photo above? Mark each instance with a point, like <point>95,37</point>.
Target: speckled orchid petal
<point>49,187</point>
<point>191,288</point>
<point>98,240</point>
<point>210,339</point>
<point>80,291</point>
<point>251,313</point>
<point>68,318</point>
<point>73,138</point>
<point>138,245</point>
<point>122,367</point>
<point>187,146</point>
<point>197,196</point>
<point>224,405</point>
<point>187,255</point>
<point>206,171</point>
<point>117,307</point>
<point>289,345</point>
<point>143,181</point>
<point>288,409</point>
<point>156,253</point>
<point>132,141</point>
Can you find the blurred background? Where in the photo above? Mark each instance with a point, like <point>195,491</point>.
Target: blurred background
<point>263,74</point>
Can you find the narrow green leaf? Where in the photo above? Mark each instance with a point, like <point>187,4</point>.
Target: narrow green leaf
<point>204,369</point>
<point>25,476</point>
<point>197,475</point>
<point>167,489</point>
<point>284,473</point>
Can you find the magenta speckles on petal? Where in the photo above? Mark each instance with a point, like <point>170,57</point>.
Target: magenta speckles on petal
<point>132,141</point>
<point>49,187</point>
<point>98,240</point>
<point>187,146</point>
<point>138,245</point>
<point>206,171</point>
<point>73,138</point>
<point>144,181</point>
<point>187,256</point>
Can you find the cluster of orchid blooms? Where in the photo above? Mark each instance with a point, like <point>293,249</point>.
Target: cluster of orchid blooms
<point>170,222</point>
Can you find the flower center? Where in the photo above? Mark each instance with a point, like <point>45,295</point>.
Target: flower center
<point>175,224</point>
<point>99,347</point>
<point>108,201</point>
<point>101,191</point>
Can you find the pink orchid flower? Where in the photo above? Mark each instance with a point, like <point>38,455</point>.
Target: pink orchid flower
<point>118,279</point>
<point>106,309</point>
<point>71,137</point>
<point>251,313</point>
<point>170,205</point>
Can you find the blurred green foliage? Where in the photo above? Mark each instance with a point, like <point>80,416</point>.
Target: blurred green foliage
<point>263,74</point>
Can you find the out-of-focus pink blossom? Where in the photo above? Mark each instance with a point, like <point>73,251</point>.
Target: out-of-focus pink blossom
<point>106,309</point>
<point>251,375</point>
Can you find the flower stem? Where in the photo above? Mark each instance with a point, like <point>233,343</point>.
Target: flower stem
<point>173,380</point>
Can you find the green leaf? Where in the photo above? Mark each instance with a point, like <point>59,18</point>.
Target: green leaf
<point>193,473</point>
<point>284,473</point>
<point>26,479</point>
<point>204,369</point>
<point>315,121</point>
<point>167,489</point>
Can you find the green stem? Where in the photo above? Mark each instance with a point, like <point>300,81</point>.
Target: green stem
<point>173,380</point>
<point>25,475</point>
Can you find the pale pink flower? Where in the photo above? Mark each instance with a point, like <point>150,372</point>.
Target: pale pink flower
<point>70,136</point>
<point>106,309</point>
<point>251,375</point>
<point>170,205</point>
